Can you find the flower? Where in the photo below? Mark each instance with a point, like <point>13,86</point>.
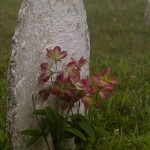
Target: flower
<point>44,94</point>
<point>102,94</point>
<point>78,63</point>
<point>82,85</point>
<point>68,86</point>
<point>104,83</point>
<point>105,77</point>
<point>56,53</point>
<point>103,80</point>
<point>62,87</point>
<point>45,72</point>
<point>87,101</point>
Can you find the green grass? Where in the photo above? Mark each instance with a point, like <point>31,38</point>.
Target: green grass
<point>8,14</point>
<point>119,40</point>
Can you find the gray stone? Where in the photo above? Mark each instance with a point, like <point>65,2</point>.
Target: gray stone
<point>41,24</point>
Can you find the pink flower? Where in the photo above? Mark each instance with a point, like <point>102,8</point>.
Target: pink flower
<point>62,87</point>
<point>104,83</point>
<point>45,72</point>
<point>70,69</point>
<point>56,53</point>
<point>105,77</point>
<point>75,78</point>
<point>87,101</point>
<point>79,63</point>
<point>103,95</point>
<point>104,80</point>
<point>44,94</point>
<point>82,85</point>
<point>67,104</point>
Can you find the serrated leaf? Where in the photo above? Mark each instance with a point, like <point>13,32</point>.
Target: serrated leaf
<point>76,132</point>
<point>32,140</point>
<point>87,128</point>
<point>39,112</point>
<point>31,133</point>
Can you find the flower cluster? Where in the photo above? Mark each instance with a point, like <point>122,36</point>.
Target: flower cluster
<point>67,84</point>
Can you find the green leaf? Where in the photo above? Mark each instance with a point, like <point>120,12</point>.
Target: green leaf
<point>43,123</point>
<point>91,140</point>
<point>51,115</point>
<point>76,132</point>
<point>39,112</point>
<point>52,129</point>
<point>85,125</point>
<point>31,133</point>
<point>55,118</point>
<point>101,132</point>
<point>32,140</point>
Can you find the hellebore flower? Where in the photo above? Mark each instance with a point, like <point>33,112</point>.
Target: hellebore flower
<point>87,101</point>
<point>103,95</point>
<point>82,85</point>
<point>75,78</point>
<point>56,53</point>
<point>70,69</point>
<point>104,80</point>
<point>105,77</point>
<point>45,72</point>
<point>62,87</point>
<point>79,63</point>
<point>44,94</point>
<point>104,83</point>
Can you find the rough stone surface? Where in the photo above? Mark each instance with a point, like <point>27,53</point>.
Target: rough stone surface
<point>147,14</point>
<point>41,24</point>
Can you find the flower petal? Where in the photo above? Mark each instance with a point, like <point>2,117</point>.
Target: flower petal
<point>75,78</point>
<point>71,65</point>
<point>43,77</point>
<point>49,53</point>
<point>106,71</point>
<point>87,101</point>
<point>64,106</point>
<point>113,81</point>
<point>102,95</point>
<point>108,88</point>
<point>44,66</point>
<point>63,54</point>
<point>44,94</point>
<point>54,90</point>
<point>57,49</point>
<point>82,61</point>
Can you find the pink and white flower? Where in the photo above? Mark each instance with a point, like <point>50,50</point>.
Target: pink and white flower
<point>56,53</point>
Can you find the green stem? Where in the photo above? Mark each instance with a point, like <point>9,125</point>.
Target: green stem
<point>45,139</point>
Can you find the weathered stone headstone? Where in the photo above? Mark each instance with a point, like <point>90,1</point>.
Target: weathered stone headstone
<point>41,24</point>
<point>147,14</point>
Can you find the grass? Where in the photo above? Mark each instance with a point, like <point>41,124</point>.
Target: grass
<point>120,40</point>
<point>8,14</point>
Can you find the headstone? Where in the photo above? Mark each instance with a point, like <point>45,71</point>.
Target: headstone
<point>147,14</point>
<point>41,24</point>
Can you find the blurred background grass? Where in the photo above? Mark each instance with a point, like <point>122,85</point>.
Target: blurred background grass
<point>119,40</point>
<point>8,15</point>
